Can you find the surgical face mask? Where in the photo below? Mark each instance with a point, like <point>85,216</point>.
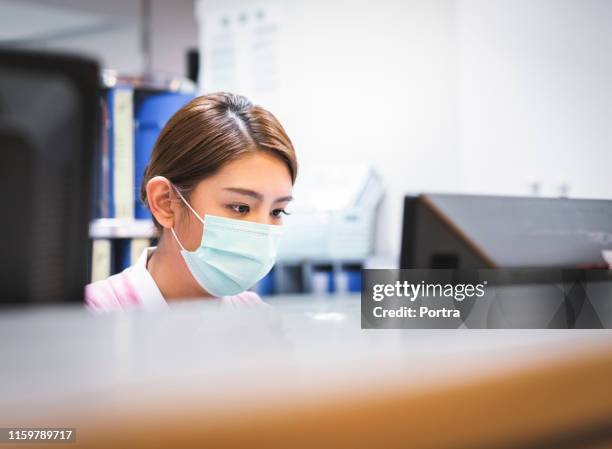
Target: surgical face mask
<point>233,254</point>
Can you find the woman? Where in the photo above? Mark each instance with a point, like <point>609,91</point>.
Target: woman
<point>219,179</point>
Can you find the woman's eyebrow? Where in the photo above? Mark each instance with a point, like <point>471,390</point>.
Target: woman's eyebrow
<point>247,192</point>
<point>256,195</point>
<point>282,199</point>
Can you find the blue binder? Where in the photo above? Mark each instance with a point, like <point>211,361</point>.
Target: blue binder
<point>152,113</point>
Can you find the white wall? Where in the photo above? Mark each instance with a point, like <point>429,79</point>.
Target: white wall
<point>371,82</point>
<point>174,31</point>
<point>487,96</point>
<point>536,102</point>
<point>376,85</point>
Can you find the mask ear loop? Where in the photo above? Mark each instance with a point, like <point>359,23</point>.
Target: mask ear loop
<point>177,240</point>
<point>191,209</point>
<point>188,205</point>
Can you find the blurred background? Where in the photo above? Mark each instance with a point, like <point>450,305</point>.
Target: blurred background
<point>380,99</point>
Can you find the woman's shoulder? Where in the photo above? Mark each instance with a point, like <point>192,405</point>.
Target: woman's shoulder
<point>245,298</point>
<point>113,293</point>
<point>118,292</point>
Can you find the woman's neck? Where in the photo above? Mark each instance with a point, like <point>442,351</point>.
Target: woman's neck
<point>170,273</point>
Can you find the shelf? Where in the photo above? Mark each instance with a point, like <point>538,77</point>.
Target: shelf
<point>121,228</point>
<point>154,83</point>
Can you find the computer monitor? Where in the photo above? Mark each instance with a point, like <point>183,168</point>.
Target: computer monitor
<point>49,128</point>
<point>480,231</point>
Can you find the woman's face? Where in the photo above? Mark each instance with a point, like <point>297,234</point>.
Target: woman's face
<point>257,187</point>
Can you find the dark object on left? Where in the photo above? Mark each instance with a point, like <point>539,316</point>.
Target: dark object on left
<point>49,135</point>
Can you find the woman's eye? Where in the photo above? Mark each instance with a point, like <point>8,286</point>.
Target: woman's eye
<point>240,208</point>
<point>277,212</point>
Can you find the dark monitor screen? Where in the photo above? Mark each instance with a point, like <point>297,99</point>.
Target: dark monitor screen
<point>479,231</point>
<point>49,127</point>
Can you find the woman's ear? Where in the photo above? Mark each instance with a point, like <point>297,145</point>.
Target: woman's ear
<point>161,198</point>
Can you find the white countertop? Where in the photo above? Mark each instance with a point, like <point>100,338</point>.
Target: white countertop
<point>302,348</point>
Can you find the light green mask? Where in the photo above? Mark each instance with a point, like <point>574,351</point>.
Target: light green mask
<point>233,254</point>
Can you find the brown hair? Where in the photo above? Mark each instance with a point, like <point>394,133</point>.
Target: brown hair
<point>210,131</point>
